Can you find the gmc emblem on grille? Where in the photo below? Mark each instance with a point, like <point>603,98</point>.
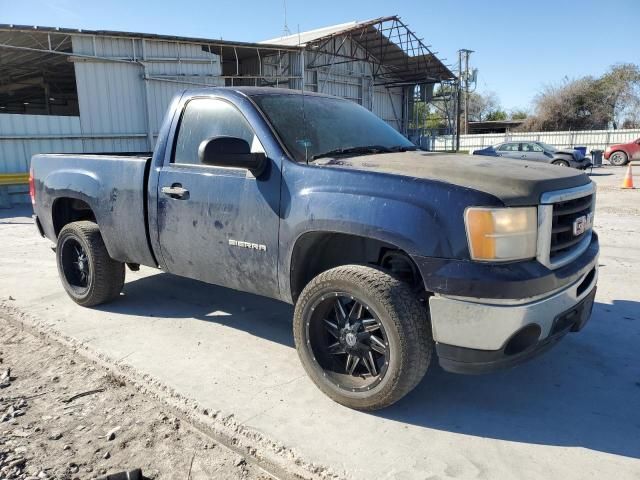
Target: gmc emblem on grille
<point>582,224</point>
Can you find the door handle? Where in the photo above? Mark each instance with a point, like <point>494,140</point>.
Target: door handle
<point>176,191</point>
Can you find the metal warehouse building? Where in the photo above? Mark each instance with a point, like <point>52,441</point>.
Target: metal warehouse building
<point>65,90</point>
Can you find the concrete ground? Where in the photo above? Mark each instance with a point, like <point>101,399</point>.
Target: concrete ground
<point>573,413</point>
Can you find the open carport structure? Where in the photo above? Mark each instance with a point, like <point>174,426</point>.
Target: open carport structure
<point>70,90</point>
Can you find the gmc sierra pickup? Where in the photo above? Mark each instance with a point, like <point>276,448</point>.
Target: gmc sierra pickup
<point>390,254</point>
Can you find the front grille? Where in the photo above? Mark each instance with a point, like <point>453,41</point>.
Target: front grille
<point>565,213</point>
<point>557,214</point>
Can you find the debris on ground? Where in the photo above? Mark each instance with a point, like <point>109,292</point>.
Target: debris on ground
<point>64,418</point>
<point>5,378</point>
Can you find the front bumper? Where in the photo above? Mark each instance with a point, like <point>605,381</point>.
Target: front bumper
<point>475,335</point>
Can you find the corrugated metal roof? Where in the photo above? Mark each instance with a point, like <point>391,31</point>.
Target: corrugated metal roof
<point>151,36</point>
<point>302,38</point>
<point>409,59</point>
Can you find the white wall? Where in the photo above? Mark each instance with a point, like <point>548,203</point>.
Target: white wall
<point>592,139</point>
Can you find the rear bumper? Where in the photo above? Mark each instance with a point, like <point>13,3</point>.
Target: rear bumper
<point>481,335</point>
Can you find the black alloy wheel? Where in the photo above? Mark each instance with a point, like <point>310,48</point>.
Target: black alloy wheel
<point>363,335</point>
<point>75,264</point>
<point>88,274</point>
<point>348,341</point>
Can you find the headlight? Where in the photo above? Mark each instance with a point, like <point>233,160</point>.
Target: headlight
<point>501,234</point>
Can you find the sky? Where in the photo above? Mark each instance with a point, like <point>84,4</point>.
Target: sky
<point>519,46</point>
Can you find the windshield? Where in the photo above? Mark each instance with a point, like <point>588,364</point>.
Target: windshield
<point>546,146</point>
<point>328,127</point>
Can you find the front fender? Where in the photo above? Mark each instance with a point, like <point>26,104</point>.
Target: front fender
<point>421,217</point>
<point>385,217</point>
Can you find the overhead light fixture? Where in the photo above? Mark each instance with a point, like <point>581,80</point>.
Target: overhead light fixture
<point>25,103</point>
<point>51,99</point>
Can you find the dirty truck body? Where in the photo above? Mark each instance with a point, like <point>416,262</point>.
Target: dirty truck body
<point>390,255</point>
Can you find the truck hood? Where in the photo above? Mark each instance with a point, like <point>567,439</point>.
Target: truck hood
<point>514,182</point>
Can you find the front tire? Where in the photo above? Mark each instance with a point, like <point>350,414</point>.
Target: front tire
<point>88,274</point>
<point>618,159</point>
<point>362,336</point>
<point>561,163</point>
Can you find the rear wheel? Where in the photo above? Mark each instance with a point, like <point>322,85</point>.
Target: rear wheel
<point>618,158</point>
<point>363,336</point>
<point>89,275</point>
<point>561,163</point>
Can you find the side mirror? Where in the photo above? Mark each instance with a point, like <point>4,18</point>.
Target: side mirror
<point>231,152</point>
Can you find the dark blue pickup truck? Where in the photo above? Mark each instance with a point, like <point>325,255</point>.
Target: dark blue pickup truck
<point>387,252</point>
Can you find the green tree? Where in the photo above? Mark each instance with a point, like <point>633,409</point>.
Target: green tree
<point>518,114</point>
<point>496,115</point>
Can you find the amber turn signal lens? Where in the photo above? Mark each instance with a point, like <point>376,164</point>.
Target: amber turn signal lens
<point>501,234</point>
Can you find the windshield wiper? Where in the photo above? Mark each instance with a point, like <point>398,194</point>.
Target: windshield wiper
<point>368,149</point>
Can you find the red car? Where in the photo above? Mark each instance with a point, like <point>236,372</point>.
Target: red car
<point>622,153</point>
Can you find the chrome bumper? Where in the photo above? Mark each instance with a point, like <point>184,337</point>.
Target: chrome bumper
<point>488,324</point>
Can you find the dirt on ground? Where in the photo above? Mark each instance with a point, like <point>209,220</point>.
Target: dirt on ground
<point>62,417</point>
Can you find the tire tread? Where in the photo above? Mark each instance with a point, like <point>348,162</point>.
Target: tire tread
<point>404,310</point>
<point>108,274</point>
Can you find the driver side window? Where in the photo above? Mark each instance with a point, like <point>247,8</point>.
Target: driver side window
<point>204,118</point>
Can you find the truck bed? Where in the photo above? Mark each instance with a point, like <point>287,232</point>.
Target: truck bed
<point>114,186</point>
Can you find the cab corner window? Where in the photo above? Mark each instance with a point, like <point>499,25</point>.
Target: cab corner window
<point>204,118</point>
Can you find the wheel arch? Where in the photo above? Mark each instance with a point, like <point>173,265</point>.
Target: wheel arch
<point>65,210</point>
<point>315,252</point>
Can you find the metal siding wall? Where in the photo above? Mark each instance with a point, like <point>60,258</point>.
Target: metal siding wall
<point>15,153</point>
<point>354,81</point>
<point>334,77</point>
<point>295,70</point>
<point>112,100</point>
<point>387,104</point>
<point>112,95</point>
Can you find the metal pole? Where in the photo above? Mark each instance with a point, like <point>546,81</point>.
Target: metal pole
<point>302,68</point>
<point>466,94</point>
<point>458,104</point>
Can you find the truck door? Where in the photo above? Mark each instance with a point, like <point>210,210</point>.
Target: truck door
<point>216,224</point>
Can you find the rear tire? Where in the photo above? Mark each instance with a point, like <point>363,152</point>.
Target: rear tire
<point>561,163</point>
<point>618,158</point>
<point>374,304</point>
<point>88,274</point>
